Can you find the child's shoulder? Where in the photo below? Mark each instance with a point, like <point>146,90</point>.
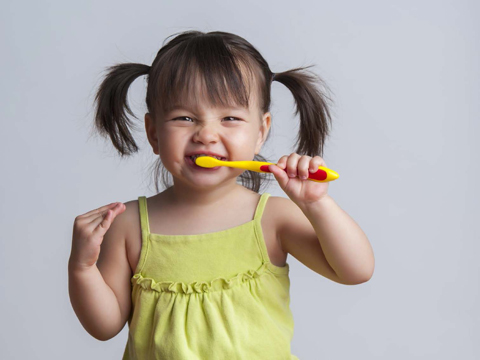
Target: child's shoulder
<point>278,207</point>
<point>130,216</point>
<point>130,222</point>
<point>282,211</point>
<point>278,211</point>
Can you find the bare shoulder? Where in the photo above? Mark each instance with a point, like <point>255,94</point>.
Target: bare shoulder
<point>290,223</point>
<point>131,217</point>
<point>133,232</point>
<point>276,209</point>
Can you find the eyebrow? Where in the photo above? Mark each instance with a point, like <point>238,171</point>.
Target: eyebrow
<point>185,107</point>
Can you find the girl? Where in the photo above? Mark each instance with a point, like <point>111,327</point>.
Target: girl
<point>199,270</point>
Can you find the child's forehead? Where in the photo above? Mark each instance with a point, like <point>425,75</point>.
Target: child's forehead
<point>199,100</point>
<point>201,90</point>
<point>205,107</point>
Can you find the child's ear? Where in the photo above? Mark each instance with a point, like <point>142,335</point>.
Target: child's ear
<point>263,132</point>
<point>151,130</point>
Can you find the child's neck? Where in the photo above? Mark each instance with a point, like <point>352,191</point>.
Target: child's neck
<point>191,197</point>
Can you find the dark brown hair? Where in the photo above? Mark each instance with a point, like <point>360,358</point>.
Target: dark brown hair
<point>229,68</point>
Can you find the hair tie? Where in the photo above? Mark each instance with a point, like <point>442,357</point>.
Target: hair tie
<point>273,76</point>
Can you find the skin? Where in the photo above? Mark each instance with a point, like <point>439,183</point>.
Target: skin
<point>200,126</point>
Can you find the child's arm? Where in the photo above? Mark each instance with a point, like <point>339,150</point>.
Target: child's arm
<point>94,302</point>
<point>101,300</point>
<point>326,239</point>
<point>314,229</point>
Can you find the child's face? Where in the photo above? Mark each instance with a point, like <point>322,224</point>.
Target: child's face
<point>235,133</point>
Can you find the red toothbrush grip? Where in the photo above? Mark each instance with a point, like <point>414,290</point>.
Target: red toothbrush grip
<point>320,175</point>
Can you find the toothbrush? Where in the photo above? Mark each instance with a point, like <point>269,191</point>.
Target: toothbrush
<point>323,174</point>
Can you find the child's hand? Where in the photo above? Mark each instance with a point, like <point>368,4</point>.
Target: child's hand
<point>88,232</point>
<point>300,191</point>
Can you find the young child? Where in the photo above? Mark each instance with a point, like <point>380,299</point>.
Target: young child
<point>199,270</point>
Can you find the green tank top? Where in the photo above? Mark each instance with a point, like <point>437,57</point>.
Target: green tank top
<point>209,296</point>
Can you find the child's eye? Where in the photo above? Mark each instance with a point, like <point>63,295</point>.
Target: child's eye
<point>186,117</point>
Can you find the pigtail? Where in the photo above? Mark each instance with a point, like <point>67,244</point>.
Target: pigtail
<point>311,103</point>
<point>111,103</point>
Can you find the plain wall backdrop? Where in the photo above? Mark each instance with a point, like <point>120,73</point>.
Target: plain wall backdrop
<point>404,77</point>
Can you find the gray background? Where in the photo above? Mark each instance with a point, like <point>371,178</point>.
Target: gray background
<point>405,76</point>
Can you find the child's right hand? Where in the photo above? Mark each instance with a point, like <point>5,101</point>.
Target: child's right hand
<point>88,232</point>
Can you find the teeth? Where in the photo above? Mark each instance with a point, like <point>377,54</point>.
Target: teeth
<point>194,157</point>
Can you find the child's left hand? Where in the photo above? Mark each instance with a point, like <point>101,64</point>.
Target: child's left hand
<point>300,191</point>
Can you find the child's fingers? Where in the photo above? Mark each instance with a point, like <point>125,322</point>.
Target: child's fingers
<point>88,236</point>
<point>302,167</point>
<point>282,162</point>
<point>102,223</point>
<point>316,162</point>
<point>89,216</point>
<point>280,174</point>
<point>117,209</point>
<point>292,164</point>
<point>100,209</point>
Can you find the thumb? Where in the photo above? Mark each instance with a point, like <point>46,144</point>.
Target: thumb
<point>278,172</point>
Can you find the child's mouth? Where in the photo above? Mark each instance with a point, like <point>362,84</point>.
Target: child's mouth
<point>192,163</point>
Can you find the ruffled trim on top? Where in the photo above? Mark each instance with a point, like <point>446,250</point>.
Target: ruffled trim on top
<point>208,286</point>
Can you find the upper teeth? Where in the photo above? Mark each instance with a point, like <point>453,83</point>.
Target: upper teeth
<point>198,155</point>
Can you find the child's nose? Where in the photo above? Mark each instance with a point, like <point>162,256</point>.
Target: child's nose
<point>207,133</point>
